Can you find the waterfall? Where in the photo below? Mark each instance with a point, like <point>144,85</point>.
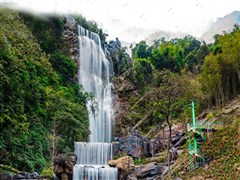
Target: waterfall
<point>94,76</point>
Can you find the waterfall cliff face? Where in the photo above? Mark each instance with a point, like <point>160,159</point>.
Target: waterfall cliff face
<point>94,76</point>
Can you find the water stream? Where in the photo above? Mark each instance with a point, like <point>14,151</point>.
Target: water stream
<point>94,76</point>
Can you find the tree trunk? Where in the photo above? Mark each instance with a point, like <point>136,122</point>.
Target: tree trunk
<point>143,119</point>
<point>169,146</point>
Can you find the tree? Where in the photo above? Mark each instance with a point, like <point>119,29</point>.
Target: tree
<point>141,50</point>
<point>143,72</point>
<point>168,103</point>
<point>68,119</point>
<point>220,77</point>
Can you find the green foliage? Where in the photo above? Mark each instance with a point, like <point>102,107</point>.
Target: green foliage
<point>143,72</point>
<point>173,55</point>
<point>208,74</point>
<point>141,50</point>
<point>139,161</point>
<point>25,70</point>
<point>170,97</point>
<point>68,119</point>
<point>46,28</point>
<point>124,64</point>
<point>8,169</point>
<point>47,173</point>
<point>220,77</point>
<point>42,109</point>
<point>91,26</point>
<point>64,66</point>
<point>115,157</point>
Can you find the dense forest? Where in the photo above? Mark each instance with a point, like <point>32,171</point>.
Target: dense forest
<point>43,109</point>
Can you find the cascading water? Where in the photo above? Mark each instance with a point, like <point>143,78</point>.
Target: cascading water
<point>94,76</point>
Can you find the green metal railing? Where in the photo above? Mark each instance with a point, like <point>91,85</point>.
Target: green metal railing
<point>196,155</point>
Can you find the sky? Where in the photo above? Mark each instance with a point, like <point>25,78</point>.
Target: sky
<point>133,20</point>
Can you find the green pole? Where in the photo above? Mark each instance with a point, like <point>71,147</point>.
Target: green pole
<point>194,126</point>
<point>193,115</point>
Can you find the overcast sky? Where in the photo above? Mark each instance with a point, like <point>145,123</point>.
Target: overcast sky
<point>116,16</point>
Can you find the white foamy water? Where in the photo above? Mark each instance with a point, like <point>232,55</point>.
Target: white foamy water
<point>94,76</point>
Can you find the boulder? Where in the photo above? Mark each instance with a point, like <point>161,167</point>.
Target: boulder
<point>63,165</point>
<point>148,170</point>
<point>123,164</point>
<point>126,168</point>
<point>134,145</point>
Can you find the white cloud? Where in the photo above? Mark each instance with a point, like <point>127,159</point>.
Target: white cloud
<point>116,16</point>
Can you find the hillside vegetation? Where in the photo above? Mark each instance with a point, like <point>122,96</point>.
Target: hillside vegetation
<point>163,81</point>
<point>168,75</point>
<point>43,109</point>
<point>221,150</point>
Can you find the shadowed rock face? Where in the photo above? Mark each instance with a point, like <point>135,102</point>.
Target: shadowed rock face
<point>138,146</point>
<point>134,145</point>
<point>63,165</point>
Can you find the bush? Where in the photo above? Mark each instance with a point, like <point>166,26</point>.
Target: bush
<point>48,172</point>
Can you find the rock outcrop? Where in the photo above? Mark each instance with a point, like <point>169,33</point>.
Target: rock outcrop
<point>149,171</point>
<point>125,164</point>
<point>63,166</point>
<point>118,56</point>
<point>134,145</point>
<point>127,169</point>
<point>70,37</point>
